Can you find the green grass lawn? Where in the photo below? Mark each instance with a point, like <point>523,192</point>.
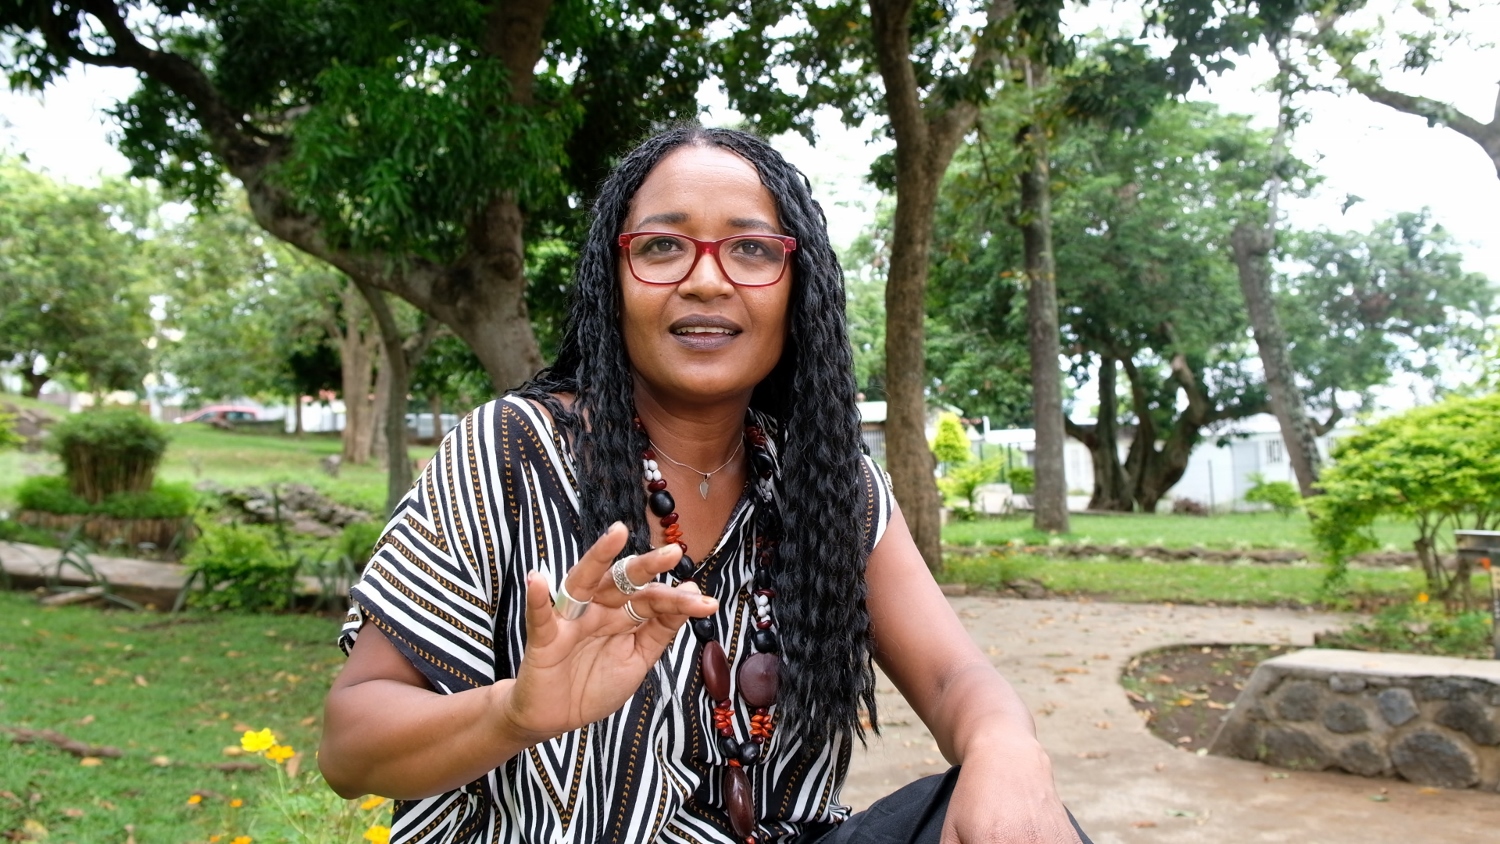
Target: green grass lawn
<point>171,694</point>
<point>1190,583</point>
<point>1226,531</point>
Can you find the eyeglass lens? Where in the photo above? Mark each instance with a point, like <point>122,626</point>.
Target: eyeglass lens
<point>748,260</point>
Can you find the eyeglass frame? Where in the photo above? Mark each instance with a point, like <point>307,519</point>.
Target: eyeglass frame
<point>712,248</point>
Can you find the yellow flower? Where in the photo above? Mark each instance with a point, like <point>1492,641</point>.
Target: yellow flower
<point>195,799</point>
<point>255,741</point>
<point>371,802</point>
<point>242,839</point>
<point>378,834</point>
<point>236,803</point>
<point>1421,597</point>
<point>279,753</point>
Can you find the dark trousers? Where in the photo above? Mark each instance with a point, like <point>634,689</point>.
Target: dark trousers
<point>911,815</point>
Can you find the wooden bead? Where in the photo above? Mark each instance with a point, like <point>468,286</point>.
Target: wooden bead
<point>765,641</point>
<point>669,519</point>
<point>739,800</point>
<point>656,486</point>
<point>760,679</point>
<point>715,670</point>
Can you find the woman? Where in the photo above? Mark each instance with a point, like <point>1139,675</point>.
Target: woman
<point>696,672</point>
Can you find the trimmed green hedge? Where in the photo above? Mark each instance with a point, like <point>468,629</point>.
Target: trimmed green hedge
<point>51,494</point>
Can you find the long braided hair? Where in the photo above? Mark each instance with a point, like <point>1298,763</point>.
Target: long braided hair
<point>827,672</point>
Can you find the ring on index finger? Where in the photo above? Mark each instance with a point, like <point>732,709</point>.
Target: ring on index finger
<point>567,606</point>
<point>622,577</point>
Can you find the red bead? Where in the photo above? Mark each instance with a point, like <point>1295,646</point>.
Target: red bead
<point>715,670</point>
<point>739,800</point>
<point>683,546</point>
<point>656,486</point>
<point>760,679</point>
<point>669,520</point>
<point>648,454</point>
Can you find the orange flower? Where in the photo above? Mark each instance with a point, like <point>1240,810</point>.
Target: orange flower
<point>279,753</point>
<point>214,839</point>
<point>1421,597</point>
<point>195,799</point>
<point>242,839</point>
<point>236,803</point>
<point>371,802</point>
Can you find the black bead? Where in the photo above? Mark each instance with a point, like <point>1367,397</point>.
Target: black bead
<point>764,466</point>
<point>729,747</point>
<point>703,629</point>
<point>662,503</point>
<point>764,579</point>
<point>765,641</point>
<point>750,753</point>
<point>684,568</point>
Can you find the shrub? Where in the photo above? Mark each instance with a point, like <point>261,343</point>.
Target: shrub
<point>108,451</point>
<point>8,436</point>
<point>951,445</point>
<point>1022,479</point>
<point>963,481</point>
<point>51,494</point>
<point>1418,627</point>
<point>238,567</point>
<point>1436,466</point>
<point>1189,507</point>
<point>1281,495</point>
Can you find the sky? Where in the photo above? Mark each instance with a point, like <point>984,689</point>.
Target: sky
<point>1394,162</point>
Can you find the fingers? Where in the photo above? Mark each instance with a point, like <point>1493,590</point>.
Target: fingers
<point>586,578</point>
<point>541,620</point>
<point>666,609</point>
<point>641,569</point>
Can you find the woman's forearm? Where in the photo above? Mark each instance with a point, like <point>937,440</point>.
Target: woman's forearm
<point>979,711</point>
<point>396,740</point>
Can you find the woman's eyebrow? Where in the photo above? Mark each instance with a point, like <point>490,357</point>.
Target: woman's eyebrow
<point>679,217</point>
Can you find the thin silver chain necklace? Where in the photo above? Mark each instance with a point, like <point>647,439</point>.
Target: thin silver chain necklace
<point>702,487</point>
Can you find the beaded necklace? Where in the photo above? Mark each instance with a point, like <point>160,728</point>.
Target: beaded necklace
<point>759,673</point>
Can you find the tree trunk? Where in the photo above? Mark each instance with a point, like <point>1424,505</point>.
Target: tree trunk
<point>1252,245</point>
<point>435,410</point>
<point>297,408</point>
<point>1050,499</point>
<point>34,383</point>
<point>380,401</point>
<point>1111,485</point>
<point>926,136</point>
<point>399,355</point>
<point>357,345</point>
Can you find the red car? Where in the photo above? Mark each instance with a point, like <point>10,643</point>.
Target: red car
<point>222,414</point>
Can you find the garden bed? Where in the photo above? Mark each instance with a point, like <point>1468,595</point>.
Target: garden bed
<point>145,538</point>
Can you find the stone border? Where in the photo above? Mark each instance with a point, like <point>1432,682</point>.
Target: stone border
<point>1428,719</point>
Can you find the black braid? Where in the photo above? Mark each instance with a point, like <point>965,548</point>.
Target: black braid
<point>821,613</point>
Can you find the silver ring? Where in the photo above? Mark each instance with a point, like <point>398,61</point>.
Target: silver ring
<point>622,579</point>
<point>567,606</point>
<point>634,616</point>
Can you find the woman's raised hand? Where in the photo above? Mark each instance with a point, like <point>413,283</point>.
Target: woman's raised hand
<point>575,672</point>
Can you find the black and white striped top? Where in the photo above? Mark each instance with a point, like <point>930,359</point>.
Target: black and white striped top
<point>446,585</point>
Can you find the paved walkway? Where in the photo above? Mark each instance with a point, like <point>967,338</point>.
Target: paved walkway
<point>1125,785</point>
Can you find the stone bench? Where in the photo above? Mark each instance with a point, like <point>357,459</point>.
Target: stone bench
<point>1428,719</point>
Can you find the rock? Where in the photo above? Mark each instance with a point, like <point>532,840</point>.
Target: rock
<point>1292,748</point>
<point>1239,739</point>
<point>1346,685</point>
<point>1445,688</point>
<point>1426,757</point>
<point>313,528</point>
<point>1363,758</point>
<point>1345,717</point>
<point>1299,702</point>
<point>1396,706</point>
<point>1472,720</point>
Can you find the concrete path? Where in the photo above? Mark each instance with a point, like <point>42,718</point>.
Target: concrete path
<point>1127,786</point>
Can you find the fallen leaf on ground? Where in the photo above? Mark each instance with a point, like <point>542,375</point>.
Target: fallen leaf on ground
<point>140,680</point>
<point>1427,789</point>
<point>91,761</point>
<point>73,813</point>
<point>1163,679</point>
<point>309,720</point>
<point>85,720</point>
<point>1103,725</point>
<point>1143,824</point>
<point>33,830</point>
<point>160,761</point>
<point>1380,798</point>
<point>234,750</point>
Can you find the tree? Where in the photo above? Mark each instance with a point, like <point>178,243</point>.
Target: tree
<point>1360,51</point>
<point>951,445</point>
<point>410,145</point>
<point>933,75</point>
<point>1434,466</point>
<point>73,267</point>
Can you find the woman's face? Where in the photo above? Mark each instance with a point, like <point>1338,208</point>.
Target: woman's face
<point>703,339</point>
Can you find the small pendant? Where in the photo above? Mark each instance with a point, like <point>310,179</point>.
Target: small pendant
<point>703,488</point>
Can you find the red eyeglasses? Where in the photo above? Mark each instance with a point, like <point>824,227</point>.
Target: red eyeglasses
<point>747,260</point>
